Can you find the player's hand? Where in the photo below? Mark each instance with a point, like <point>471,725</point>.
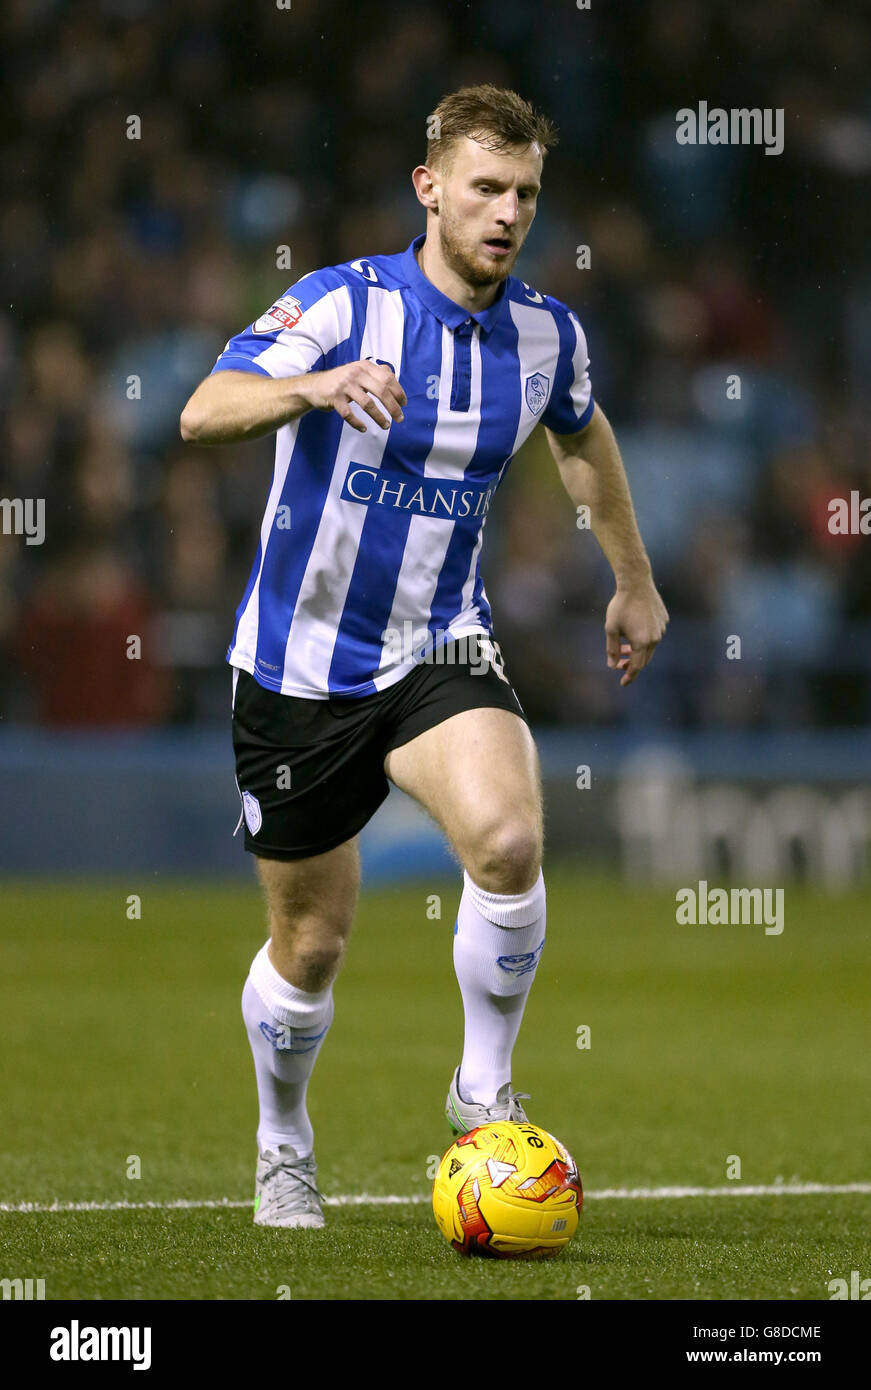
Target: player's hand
<point>363,384</point>
<point>639,615</point>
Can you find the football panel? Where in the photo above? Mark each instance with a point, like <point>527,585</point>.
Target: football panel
<point>517,1219</point>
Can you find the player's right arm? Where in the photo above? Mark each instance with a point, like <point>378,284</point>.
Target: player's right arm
<point>230,406</point>
<point>275,370</point>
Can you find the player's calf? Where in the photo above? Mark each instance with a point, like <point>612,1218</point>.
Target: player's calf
<point>498,941</point>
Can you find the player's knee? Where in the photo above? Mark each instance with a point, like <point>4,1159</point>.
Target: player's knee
<point>313,966</point>
<point>309,953</point>
<point>508,856</point>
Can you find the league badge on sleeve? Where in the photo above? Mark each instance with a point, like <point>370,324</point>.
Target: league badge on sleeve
<point>285,314</point>
<point>536,391</point>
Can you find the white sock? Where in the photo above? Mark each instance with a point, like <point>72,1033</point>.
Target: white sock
<point>286,1028</point>
<point>497,944</point>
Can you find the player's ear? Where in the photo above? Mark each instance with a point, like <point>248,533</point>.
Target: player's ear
<point>425,187</point>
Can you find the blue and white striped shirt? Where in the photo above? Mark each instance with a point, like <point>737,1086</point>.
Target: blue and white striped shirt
<point>369,535</point>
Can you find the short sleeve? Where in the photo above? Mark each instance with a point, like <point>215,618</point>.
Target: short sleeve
<point>571,403</point>
<point>296,333</point>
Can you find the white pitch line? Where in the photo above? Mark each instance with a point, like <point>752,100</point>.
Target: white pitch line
<point>363,1199</point>
<point>778,1189</point>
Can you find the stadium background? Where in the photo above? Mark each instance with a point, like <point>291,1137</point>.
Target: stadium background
<point>139,257</point>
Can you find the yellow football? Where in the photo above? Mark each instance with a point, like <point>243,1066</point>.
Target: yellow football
<point>507,1191</point>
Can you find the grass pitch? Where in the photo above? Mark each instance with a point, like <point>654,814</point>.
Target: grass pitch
<point>123,1040</point>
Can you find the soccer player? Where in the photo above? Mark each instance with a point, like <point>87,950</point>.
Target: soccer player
<point>400,387</point>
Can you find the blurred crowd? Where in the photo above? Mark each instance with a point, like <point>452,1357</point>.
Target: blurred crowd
<point>154,157</point>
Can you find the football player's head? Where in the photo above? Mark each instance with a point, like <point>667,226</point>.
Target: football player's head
<point>479,185</point>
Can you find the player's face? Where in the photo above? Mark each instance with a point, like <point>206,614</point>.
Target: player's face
<point>486,205</point>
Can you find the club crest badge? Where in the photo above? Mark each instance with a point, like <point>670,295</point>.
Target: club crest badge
<point>536,391</point>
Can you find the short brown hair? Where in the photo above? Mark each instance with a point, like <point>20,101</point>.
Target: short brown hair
<point>494,116</point>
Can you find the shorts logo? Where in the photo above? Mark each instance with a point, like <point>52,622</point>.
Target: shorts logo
<point>253,814</point>
<point>536,391</point>
<point>285,314</point>
<point>521,964</point>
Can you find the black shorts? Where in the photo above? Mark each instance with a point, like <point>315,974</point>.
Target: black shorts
<point>311,772</point>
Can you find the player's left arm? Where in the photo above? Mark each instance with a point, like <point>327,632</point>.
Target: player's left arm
<point>593,475</point>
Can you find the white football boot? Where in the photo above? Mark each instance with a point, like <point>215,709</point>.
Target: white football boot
<point>463,1115</point>
<point>286,1190</point>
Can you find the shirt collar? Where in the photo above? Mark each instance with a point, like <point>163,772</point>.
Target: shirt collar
<point>451,314</point>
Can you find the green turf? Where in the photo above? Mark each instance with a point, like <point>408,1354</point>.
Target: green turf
<point>124,1038</point>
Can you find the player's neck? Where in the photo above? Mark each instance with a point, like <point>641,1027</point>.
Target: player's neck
<point>474,298</point>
